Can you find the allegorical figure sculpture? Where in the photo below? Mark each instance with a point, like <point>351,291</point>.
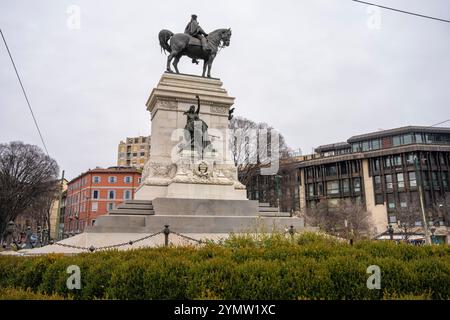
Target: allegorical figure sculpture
<point>196,130</point>
<point>194,43</point>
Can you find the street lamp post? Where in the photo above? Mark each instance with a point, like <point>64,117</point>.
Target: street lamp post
<point>422,206</point>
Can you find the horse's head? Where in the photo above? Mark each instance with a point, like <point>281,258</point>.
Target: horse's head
<point>225,37</point>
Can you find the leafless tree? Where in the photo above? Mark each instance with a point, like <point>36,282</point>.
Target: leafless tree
<point>410,218</point>
<point>252,146</point>
<point>345,218</point>
<point>27,180</point>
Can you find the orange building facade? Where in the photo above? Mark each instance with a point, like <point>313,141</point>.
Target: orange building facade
<point>96,192</point>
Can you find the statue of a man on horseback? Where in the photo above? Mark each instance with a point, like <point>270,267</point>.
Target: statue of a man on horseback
<point>194,30</point>
<point>194,43</point>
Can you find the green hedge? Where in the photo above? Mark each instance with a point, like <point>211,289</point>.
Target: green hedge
<point>269,267</point>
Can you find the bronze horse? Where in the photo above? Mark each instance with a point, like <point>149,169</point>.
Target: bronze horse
<point>182,44</point>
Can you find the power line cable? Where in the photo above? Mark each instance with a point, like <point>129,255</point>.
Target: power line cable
<point>24,92</point>
<point>402,11</point>
<point>436,124</point>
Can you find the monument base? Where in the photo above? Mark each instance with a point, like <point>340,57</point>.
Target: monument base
<point>192,216</point>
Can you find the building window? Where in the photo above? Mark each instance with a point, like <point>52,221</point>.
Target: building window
<point>95,194</point>
<point>333,187</point>
<point>112,179</point>
<point>331,170</point>
<point>434,179</point>
<point>94,206</point>
<point>96,179</point>
<point>391,201</point>
<point>400,181</point>
<point>419,138</point>
<point>111,194</point>
<point>407,138</point>
<point>139,180</point>
<point>445,179</point>
<point>127,195</point>
<point>392,219</point>
<point>389,184</point>
<point>365,146</point>
<point>377,183</point>
<point>375,144</point>
<point>387,162</point>
<point>397,161</point>
<point>311,190</point>
<point>412,179</point>
<point>379,199</point>
<point>396,141</point>
<point>376,165</point>
<point>346,186</point>
<point>403,200</point>
<point>357,184</point>
<point>93,222</point>
<point>142,154</point>
<point>128,179</point>
<point>425,179</point>
<point>320,188</point>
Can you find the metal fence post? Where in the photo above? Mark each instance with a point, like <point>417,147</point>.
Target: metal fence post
<point>166,235</point>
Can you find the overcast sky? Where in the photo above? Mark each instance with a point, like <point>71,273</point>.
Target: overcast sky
<point>318,71</point>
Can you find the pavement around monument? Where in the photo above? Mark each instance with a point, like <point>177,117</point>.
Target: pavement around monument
<point>88,239</point>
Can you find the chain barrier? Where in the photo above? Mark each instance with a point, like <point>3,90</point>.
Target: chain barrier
<point>166,231</point>
<point>92,248</point>
<point>187,237</point>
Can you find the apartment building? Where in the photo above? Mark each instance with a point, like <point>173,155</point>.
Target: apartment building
<point>94,193</point>
<point>134,152</point>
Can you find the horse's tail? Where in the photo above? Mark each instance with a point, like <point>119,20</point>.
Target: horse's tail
<point>164,37</point>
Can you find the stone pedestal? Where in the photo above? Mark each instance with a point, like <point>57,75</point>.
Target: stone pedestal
<point>174,172</point>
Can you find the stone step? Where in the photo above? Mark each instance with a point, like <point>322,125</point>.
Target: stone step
<point>264,204</point>
<point>138,202</point>
<point>130,211</point>
<point>268,209</point>
<point>144,206</point>
<point>274,214</point>
<point>195,224</point>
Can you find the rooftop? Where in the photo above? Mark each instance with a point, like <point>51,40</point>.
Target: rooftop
<point>395,131</point>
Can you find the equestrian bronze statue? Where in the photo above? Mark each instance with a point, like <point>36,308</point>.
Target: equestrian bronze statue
<point>194,43</point>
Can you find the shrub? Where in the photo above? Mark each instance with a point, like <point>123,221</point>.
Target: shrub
<point>249,267</point>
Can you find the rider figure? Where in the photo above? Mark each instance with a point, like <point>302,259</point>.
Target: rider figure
<point>193,29</point>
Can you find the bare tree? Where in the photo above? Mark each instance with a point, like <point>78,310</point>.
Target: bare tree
<point>27,178</point>
<point>252,146</point>
<point>410,218</point>
<point>344,218</point>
